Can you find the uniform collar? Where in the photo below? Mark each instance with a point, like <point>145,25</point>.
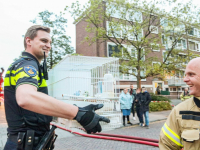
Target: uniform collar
<point>198,98</point>
<point>197,101</point>
<point>26,54</point>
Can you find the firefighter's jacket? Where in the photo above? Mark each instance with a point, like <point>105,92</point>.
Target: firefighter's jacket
<point>181,130</point>
<point>185,96</point>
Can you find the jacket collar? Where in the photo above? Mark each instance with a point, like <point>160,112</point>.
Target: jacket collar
<point>197,102</point>
<point>26,54</point>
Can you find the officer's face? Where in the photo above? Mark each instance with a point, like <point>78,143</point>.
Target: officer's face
<point>40,44</point>
<point>192,78</point>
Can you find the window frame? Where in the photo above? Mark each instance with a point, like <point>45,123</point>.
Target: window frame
<point>197,45</point>
<point>154,49</point>
<point>154,31</point>
<point>109,43</point>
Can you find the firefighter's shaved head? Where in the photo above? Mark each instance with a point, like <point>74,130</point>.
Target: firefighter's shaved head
<point>195,63</point>
<point>192,76</point>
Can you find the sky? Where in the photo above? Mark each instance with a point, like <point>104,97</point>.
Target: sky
<point>15,16</point>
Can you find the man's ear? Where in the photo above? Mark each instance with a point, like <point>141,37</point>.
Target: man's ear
<point>28,41</point>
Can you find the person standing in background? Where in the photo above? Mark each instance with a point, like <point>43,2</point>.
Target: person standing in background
<point>133,94</point>
<point>185,94</point>
<point>145,96</point>
<point>125,104</point>
<point>138,107</point>
<point>158,90</point>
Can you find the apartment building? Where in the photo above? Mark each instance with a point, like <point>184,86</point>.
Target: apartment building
<point>173,84</point>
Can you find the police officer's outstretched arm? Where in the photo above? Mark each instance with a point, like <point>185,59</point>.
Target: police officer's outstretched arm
<point>29,98</point>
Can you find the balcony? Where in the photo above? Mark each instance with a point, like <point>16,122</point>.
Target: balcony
<point>127,77</point>
<point>176,82</point>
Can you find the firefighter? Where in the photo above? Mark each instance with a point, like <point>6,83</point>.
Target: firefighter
<point>181,130</point>
<point>28,107</point>
<point>185,94</point>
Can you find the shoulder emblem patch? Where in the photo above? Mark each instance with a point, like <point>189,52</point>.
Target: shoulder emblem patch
<point>30,70</point>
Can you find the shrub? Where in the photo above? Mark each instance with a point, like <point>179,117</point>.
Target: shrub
<point>159,98</point>
<point>159,106</point>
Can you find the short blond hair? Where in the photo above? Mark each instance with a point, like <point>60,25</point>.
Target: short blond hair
<point>32,32</point>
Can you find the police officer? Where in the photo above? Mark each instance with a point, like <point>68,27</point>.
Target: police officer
<point>185,94</point>
<point>181,129</point>
<point>27,104</point>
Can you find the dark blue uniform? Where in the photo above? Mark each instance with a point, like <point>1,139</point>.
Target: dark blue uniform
<point>26,70</point>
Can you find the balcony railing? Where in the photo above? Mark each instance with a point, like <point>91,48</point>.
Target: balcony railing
<point>127,77</point>
<point>176,82</point>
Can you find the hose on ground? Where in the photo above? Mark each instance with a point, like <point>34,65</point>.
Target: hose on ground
<point>116,138</point>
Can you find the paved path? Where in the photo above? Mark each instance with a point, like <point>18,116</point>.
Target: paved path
<point>175,101</point>
<point>80,143</point>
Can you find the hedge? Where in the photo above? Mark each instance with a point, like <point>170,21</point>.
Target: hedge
<point>158,98</point>
<point>159,106</point>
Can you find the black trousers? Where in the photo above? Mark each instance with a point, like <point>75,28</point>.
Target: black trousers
<point>140,114</point>
<point>133,109</point>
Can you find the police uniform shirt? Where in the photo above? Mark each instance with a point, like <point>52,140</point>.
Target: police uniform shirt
<point>24,71</point>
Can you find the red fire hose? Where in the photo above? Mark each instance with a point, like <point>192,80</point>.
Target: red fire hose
<point>129,137</point>
<point>110,137</point>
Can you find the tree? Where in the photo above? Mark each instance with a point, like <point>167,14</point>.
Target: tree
<point>138,29</point>
<point>60,40</point>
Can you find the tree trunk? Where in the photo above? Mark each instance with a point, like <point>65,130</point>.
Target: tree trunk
<point>138,69</point>
<point>138,82</point>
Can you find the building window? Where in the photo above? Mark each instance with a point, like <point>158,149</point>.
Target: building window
<point>134,16</point>
<point>129,76</point>
<point>155,47</point>
<point>163,22</point>
<point>155,64</point>
<point>191,45</point>
<point>113,11</point>
<point>166,89</point>
<point>174,89</point>
<point>169,43</point>
<point>194,45</point>
<point>113,48</point>
<point>116,12</point>
<point>121,31</point>
<point>113,29</point>
<point>184,45</point>
<point>132,34</point>
<point>154,29</point>
<point>163,39</point>
<point>193,32</point>
<point>132,51</point>
<point>165,56</point>
<point>181,44</point>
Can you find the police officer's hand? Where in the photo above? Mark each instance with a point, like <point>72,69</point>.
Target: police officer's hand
<point>87,117</point>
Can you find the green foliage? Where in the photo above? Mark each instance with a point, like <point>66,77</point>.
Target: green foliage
<point>60,40</point>
<point>159,106</point>
<point>159,98</point>
<point>122,23</point>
